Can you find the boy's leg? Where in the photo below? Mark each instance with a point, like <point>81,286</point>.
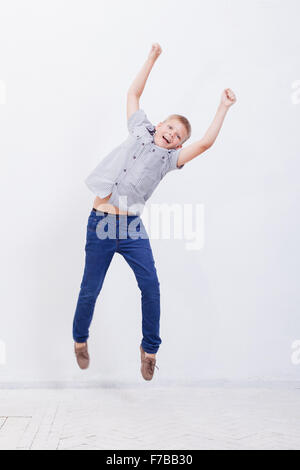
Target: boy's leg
<point>99,253</point>
<point>138,254</point>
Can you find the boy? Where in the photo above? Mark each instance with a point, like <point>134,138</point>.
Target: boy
<point>122,182</point>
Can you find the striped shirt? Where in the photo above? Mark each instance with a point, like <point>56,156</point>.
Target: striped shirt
<point>132,171</point>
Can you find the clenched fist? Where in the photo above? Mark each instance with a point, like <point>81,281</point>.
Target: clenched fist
<point>228,98</point>
<point>155,51</point>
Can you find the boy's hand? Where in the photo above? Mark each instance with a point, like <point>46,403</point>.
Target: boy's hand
<point>228,98</point>
<point>155,51</point>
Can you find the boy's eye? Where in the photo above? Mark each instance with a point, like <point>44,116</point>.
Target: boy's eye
<point>171,128</point>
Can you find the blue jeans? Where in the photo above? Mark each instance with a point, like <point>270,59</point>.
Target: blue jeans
<point>125,234</point>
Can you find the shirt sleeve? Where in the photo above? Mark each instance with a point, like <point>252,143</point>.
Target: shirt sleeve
<point>138,119</point>
<point>173,159</point>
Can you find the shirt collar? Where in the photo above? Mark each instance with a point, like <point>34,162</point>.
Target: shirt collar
<point>151,130</point>
<point>150,138</point>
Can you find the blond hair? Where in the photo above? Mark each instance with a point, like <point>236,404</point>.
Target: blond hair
<point>183,121</point>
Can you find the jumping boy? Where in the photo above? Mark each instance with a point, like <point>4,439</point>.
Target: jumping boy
<point>122,182</point>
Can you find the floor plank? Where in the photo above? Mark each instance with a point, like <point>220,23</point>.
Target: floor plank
<point>12,431</point>
<point>151,418</point>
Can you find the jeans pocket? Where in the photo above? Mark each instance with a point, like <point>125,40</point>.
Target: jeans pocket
<point>93,222</point>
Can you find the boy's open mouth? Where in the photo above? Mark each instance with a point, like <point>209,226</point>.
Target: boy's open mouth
<point>166,139</point>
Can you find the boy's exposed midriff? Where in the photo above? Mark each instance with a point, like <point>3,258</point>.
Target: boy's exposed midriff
<point>101,204</point>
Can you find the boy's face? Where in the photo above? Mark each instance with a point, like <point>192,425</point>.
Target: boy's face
<point>170,134</point>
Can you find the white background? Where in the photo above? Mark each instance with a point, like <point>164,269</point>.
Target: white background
<point>229,311</point>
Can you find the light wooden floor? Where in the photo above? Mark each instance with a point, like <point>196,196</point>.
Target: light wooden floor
<point>219,417</point>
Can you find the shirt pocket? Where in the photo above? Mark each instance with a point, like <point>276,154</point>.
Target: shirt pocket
<point>150,176</point>
<point>138,132</point>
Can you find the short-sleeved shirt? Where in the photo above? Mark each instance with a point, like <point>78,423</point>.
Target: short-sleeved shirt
<point>134,168</point>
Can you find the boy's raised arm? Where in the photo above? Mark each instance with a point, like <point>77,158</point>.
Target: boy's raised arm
<point>193,150</point>
<point>137,87</point>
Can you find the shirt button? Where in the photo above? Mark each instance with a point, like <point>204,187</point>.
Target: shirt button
<point>153,150</point>
<point>134,156</point>
<point>143,143</point>
<point>124,169</point>
<point>116,183</point>
<point>163,158</point>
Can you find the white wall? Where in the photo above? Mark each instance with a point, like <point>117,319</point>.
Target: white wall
<point>229,310</point>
